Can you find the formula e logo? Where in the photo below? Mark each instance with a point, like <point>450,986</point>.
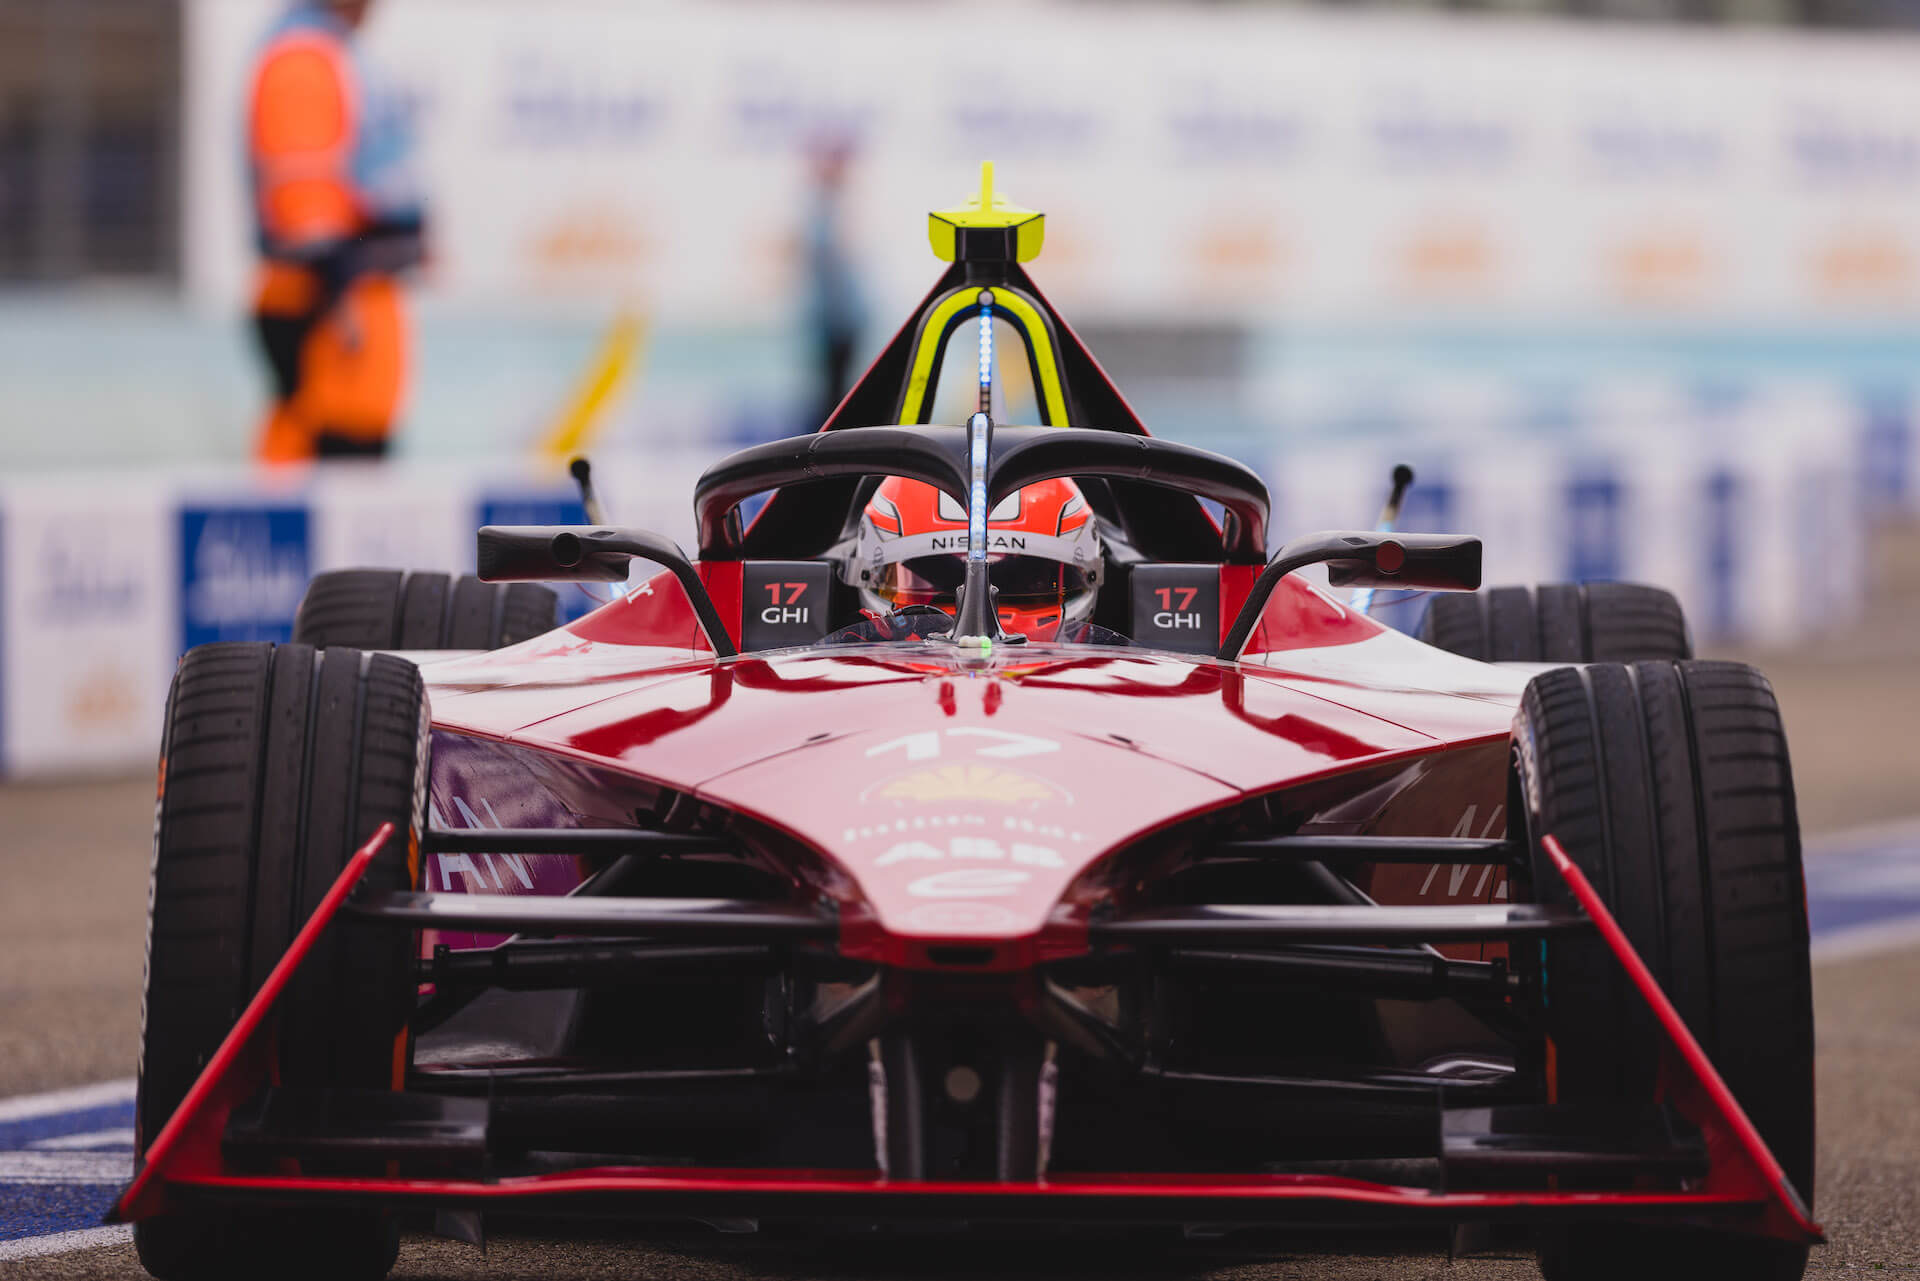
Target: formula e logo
<point>243,571</point>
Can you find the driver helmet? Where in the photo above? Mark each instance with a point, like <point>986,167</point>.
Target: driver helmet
<point>1044,555</point>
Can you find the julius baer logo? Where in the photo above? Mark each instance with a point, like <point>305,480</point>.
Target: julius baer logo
<point>243,570</point>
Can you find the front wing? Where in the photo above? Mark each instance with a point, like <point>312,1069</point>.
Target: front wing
<point>190,1163</point>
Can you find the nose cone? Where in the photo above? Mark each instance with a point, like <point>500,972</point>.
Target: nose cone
<point>964,806</point>
<point>968,831</point>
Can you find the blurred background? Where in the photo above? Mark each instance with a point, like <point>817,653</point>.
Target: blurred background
<point>1634,284</point>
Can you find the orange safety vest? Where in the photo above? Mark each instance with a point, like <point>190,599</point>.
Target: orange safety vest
<point>307,141</point>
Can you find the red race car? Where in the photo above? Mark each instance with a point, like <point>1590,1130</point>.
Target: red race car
<point>989,832</point>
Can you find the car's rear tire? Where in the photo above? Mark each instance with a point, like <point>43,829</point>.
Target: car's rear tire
<point>276,763</point>
<point>1559,623</point>
<point>1669,785</point>
<point>420,609</point>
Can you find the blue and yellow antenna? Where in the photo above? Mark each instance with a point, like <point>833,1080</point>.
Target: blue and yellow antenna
<point>986,227</point>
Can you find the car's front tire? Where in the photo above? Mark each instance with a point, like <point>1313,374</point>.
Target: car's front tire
<point>277,762</point>
<point>1668,785</point>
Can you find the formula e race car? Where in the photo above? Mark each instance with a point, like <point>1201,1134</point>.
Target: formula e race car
<point>990,834</point>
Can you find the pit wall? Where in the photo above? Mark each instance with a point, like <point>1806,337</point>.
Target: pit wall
<point>105,579</point>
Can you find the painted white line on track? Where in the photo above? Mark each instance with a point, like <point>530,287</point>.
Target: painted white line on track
<point>64,1242</point>
<point>117,1138</point>
<point>104,1168</point>
<point>77,1099</point>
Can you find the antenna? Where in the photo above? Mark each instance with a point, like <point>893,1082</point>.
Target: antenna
<point>976,620</point>
<point>986,351</point>
<point>1362,600</point>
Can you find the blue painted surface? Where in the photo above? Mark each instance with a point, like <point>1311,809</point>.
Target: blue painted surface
<point>1853,883</point>
<point>1868,884</point>
<point>48,1189</point>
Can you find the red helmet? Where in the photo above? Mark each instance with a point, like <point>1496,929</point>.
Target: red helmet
<point>1045,556</point>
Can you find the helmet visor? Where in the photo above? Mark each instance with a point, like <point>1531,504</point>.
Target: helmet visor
<point>1020,580</point>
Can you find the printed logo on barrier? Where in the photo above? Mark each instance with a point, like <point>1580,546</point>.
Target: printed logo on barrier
<point>76,585</point>
<point>1413,133</point>
<point>778,106</point>
<point>550,509</point>
<point>1832,150</point>
<point>1593,527</point>
<point>1626,147</point>
<point>88,627</point>
<point>243,570</point>
<point>1207,125</point>
<point>1009,117</point>
<point>552,103</point>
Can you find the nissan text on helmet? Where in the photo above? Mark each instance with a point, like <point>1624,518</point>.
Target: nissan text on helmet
<point>1043,554</point>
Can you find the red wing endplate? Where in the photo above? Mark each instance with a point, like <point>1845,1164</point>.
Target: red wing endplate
<point>1744,1186</point>
<point>188,1146</point>
<point>1740,1166</point>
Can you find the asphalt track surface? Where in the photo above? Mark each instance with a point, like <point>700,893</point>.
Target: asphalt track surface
<point>69,967</point>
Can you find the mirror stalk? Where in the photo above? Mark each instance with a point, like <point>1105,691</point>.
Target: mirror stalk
<point>595,554</point>
<point>1431,562</point>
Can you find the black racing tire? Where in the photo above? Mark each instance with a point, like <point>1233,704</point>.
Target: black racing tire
<point>1559,623</point>
<point>1668,784</point>
<point>420,609</point>
<point>276,763</point>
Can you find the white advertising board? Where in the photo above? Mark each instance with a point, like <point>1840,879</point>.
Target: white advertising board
<point>88,584</point>
<point>1248,160</point>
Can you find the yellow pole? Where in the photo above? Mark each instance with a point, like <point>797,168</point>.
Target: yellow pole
<point>614,362</point>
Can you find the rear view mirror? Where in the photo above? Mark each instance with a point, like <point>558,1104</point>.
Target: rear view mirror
<point>594,554</point>
<point>1429,562</point>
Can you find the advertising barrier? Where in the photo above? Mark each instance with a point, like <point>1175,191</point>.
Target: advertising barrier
<point>105,584</point>
<point>1260,162</point>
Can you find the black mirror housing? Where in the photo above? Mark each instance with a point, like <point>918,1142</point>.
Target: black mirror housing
<point>1426,562</point>
<point>550,553</point>
<point>1355,558</point>
<point>594,554</point>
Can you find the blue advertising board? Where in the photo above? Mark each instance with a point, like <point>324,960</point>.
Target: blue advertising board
<point>1886,453</point>
<point>549,508</point>
<point>243,570</point>
<point>1721,508</point>
<point>1594,551</point>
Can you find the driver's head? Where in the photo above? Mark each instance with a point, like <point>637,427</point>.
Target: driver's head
<point>1045,555</point>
